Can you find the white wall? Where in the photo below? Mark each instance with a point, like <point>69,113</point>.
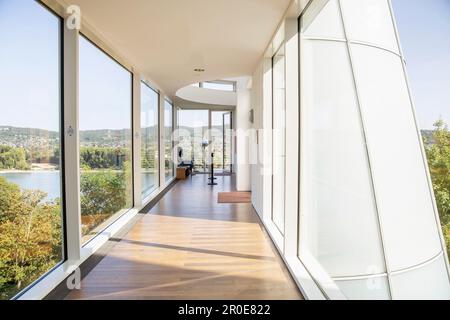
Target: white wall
<point>242,125</point>
<point>256,168</point>
<point>261,169</point>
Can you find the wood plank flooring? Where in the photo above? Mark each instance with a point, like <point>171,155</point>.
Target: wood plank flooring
<point>191,247</point>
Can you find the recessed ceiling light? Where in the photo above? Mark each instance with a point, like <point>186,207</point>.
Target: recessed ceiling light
<point>199,70</point>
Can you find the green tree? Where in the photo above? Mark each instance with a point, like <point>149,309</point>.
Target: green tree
<point>13,158</point>
<point>103,193</point>
<point>102,157</point>
<point>31,238</point>
<point>438,154</point>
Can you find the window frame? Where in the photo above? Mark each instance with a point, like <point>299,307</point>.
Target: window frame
<point>145,197</point>
<point>172,138</point>
<point>62,174</point>
<point>281,234</point>
<point>116,216</point>
<point>220,82</point>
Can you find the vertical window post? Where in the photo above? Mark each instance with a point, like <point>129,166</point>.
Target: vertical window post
<point>161,150</point>
<point>71,150</point>
<point>137,136</point>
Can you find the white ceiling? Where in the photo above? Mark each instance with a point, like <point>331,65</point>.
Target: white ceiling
<point>167,39</point>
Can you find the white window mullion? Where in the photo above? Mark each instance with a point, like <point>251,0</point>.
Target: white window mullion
<point>137,136</point>
<point>71,145</point>
<point>161,152</point>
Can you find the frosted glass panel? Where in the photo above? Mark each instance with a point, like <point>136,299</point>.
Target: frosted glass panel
<point>370,21</point>
<point>365,289</point>
<point>327,24</point>
<point>404,198</point>
<point>341,228</point>
<point>429,282</point>
<point>279,139</point>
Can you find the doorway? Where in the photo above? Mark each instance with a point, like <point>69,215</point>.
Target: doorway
<point>221,134</point>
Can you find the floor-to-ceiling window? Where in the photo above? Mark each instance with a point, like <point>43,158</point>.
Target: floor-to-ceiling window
<point>31,196</point>
<point>279,138</point>
<point>149,140</point>
<point>203,133</point>
<point>168,140</point>
<point>217,139</point>
<point>193,127</point>
<point>221,140</point>
<point>105,93</point>
<point>228,142</point>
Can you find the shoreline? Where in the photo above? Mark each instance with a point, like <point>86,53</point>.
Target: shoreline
<point>56,170</point>
<point>28,171</point>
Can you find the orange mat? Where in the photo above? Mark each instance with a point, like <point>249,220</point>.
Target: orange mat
<point>235,197</point>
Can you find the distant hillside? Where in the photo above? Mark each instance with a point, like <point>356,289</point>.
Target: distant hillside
<point>23,137</point>
<point>12,132</point>
<point>28,137</point>
<point>105,138</point>
<point>31,137</point>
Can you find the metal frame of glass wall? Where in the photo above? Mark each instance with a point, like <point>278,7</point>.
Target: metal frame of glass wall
<point>46,211</point>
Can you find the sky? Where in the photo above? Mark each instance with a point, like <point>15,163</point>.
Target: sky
<point>193,118</point>
<point>29,74</point>
<point>105,90</point>
<point>424,27</point>
<point>29,68</point>
<point>149,108</point>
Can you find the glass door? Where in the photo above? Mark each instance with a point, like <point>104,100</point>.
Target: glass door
<point>227,143</point>
<point>221,140</point>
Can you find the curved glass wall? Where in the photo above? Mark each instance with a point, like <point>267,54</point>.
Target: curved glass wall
<point>336,190</point>
<point>364,191</point>
<point>31,193</point>
<point>428,67</point>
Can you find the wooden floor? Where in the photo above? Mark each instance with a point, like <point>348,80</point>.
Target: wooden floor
<point>191,247</point>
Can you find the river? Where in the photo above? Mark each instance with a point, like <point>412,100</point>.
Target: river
<point>50,181</point>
